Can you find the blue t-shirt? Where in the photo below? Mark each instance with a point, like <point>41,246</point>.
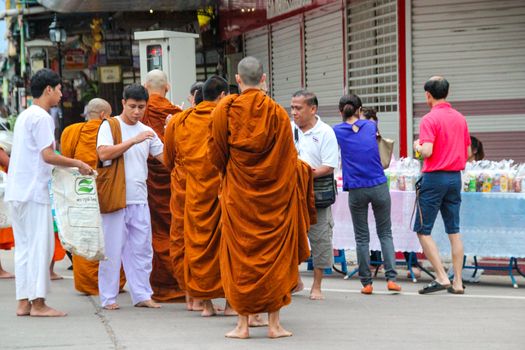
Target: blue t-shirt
<point>359,155</point>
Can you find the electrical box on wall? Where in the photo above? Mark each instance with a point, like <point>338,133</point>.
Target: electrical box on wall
<point>174,54</point>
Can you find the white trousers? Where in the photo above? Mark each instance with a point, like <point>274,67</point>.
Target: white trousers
<point>127,237</point>
<point>34,245</point>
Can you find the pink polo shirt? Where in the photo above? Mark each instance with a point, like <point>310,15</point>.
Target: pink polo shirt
<point>447,130</point>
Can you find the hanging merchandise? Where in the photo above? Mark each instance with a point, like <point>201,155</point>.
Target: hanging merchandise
<point>96,33</point>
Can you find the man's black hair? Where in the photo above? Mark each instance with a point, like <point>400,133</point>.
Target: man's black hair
<point>437,87</point>
<point>214,87</point>
<point>42,79</point>
<point>309,97</point>
<point>136,92</point>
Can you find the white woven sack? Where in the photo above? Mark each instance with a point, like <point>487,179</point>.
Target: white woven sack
<point>75,203</point>
<point>5,220</point>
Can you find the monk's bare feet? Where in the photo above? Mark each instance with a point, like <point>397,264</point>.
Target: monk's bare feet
<point>241,331</point>
<point>208,309</point>
<point>148,303</point>
<point>197,305</point>
<point>5,275</point>
<point>54,276</point>
<point>23,308</point>
<point>111,307</point>
<point>315,294</point>
<point>256,321</point>
<point>228,311</point>
<point>275,330</point>
<point>40,309</point>
<point>278,332</point>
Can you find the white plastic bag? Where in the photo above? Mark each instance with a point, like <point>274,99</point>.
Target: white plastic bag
<point>5,220</point>
<point>75,204</point>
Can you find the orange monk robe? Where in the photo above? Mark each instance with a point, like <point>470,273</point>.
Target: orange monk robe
<point>79,141</point>
<point>7,240</point>
<point>164,285</point>
<point>173,162</point>
<point>266,199</point>
<point>59,252</point>
<point>202,208</point>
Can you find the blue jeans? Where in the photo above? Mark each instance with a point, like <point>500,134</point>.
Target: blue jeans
<point>440,192</point>
<point>358,201</point>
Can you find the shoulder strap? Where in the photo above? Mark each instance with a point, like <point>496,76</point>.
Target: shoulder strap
<point>116,133</point>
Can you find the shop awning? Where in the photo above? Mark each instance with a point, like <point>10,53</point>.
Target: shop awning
<point>71,6</point>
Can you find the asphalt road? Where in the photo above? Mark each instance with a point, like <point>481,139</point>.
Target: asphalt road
<point>491,315</point>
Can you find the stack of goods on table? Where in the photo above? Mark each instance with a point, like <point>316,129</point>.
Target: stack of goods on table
<point>403,174</point>
<point>489,176</point>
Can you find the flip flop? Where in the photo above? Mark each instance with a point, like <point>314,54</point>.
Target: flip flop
<point>434,286</point>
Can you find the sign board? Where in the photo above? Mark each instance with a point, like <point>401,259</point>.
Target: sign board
<point>75,59</point>
<point>276,8</point>
<point>110,74</point>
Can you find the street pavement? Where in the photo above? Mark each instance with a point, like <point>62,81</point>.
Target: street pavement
<point>491,315</point>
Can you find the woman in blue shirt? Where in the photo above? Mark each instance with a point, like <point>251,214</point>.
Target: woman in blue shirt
<point>365,181</point>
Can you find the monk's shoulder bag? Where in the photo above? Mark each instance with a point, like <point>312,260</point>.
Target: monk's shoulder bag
<point>325,191</point>
<point>111,180</point>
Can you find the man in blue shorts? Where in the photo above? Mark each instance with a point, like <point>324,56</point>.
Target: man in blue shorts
<point>444,143</point>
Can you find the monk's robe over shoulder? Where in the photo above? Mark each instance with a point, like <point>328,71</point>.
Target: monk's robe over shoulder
<point>174,163</point>
<point>202,208</point>
<point>265,198</point>
<point>79,141</point>
<point>163,282</point>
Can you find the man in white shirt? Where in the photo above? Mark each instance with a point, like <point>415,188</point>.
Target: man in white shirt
<point>316,145</point>
<point>32,159</point>
<point>128,231</point>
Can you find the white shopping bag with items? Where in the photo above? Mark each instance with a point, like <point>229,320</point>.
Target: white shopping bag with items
<point>5,220</point>
<point>74,201</point>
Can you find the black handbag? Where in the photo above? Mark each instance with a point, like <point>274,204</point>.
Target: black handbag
<point>325,191</point>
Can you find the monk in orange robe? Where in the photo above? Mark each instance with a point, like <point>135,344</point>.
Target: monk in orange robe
<point>79,141</point>
<point>165,286</point>
<point>266,199</point>
<point>174,164</point>
<point>202,210</point>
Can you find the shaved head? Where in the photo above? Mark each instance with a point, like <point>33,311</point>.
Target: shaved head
<point>250,71</point>
<point>96,107</point>
<point>156,81</point>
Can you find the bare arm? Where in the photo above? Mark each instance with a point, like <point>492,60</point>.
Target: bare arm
<point>425,149</point>
<point>50,157</point>
<point>160,158</point>
<point>323,170</point>
<point>115,151</point>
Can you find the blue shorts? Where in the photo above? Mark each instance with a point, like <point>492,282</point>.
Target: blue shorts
<point>440,192</point>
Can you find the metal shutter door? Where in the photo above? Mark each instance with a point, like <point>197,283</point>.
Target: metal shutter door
<point>324,68</point>
<point>372,60</point>
<point>479,47</point>
<point>286,60</point>
<point>256,45</point>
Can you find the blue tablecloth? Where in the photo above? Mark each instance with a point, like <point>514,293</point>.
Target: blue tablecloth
<point>492,225</point>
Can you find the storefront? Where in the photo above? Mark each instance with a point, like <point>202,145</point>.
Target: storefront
<point>384,51</point>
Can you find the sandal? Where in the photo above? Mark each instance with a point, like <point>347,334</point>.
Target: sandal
<point>434,286</point>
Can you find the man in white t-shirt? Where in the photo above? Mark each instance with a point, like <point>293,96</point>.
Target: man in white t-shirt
<point>32,159</point>
<point>316,145</point>
<point>128,231</point>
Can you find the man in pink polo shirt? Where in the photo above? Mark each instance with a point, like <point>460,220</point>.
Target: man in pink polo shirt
<point>444,143</point>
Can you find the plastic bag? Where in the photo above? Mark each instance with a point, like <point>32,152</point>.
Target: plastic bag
<point>77,214</point>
